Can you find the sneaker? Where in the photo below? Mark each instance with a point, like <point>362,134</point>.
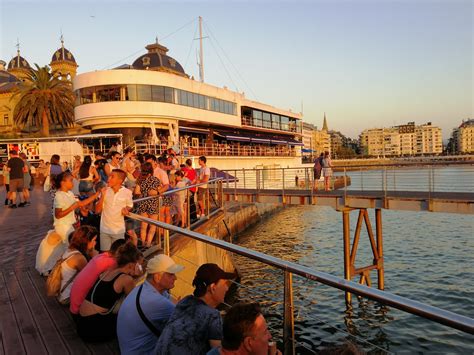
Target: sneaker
<point>12,206</point>
<point>27,203</point>
<point>6,202</point>
<point>22,204</point>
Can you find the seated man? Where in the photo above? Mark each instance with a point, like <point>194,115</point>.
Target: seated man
<point>245,332</point>
<point>138,329</point>
<point>196,325</point>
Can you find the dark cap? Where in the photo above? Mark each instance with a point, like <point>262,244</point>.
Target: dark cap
<point>211,273</point>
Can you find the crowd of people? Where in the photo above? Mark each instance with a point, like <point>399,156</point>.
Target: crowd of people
<point>95,259</point>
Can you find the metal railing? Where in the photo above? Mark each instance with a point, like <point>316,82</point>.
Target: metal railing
<point>213,203</point>
<point>429,178</point>
<point>438,315</point>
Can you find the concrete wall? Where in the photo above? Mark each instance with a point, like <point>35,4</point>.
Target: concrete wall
<point>191,253</point>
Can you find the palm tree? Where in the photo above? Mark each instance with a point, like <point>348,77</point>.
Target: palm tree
<point>44,99</point>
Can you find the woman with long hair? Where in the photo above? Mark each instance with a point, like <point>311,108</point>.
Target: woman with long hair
<point>80,251</point>
<point>56,241</point>
<point>147,185</point>
<point>97,320</point>
<point>87,175</point>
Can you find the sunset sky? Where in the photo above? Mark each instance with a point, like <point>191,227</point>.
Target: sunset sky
<point>365,63</point>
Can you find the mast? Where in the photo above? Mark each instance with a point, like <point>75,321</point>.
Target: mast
<point>201,56</point>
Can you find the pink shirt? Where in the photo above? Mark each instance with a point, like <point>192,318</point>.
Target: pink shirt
<point>87,277</point>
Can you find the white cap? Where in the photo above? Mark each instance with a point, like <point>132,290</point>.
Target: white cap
<point>163,263</point>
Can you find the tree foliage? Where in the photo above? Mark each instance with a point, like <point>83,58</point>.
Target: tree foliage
<point>44,99</point>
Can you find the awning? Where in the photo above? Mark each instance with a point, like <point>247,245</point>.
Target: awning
<point>304,150</point>
<point>294,142</point>
<point>237,138</point>
<point>260,140</point>
<point>277,141</point>
<point>194,130</point>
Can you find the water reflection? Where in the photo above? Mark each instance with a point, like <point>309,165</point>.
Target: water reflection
<point>413,242</point>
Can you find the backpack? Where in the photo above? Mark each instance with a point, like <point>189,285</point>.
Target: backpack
<point>53,282</point>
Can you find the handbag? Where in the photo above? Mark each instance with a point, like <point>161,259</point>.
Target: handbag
<point>47,184</point>
<point>53,282</point>
<point>142,315</point>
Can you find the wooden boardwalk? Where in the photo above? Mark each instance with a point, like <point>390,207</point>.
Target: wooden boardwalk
<point>31,322</point>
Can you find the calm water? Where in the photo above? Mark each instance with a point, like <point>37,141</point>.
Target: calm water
<point>428,257</point>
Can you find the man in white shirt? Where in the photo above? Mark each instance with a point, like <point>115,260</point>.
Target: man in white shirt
<point>204,175</point>
<point>115,203</point>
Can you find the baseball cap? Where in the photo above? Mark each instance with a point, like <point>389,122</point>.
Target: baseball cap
<point>163,263</point>
<point>211,273</point>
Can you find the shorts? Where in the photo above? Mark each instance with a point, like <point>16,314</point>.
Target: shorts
<point>97,327</point>
<point>26,181</point>
<point>16,185</point>
<point>106,240</point>
<point>327,172</point>
<point>86,186</point>
<point>202,193</point>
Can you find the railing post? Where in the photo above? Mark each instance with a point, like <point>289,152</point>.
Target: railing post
<point>288,316</point>
<point>378,231</point>
<point>361,180</point>
<point>188,210</point>
<point>235,185</point>
<point>159,230</point>
<point>207,202</point>
<point>243,171</point>
<point>347,251</point>
<point>167,242</point>
<point>283,182</point>
<point>345,187</point>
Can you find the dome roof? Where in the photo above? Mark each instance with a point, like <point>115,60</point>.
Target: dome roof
<point>18,62</point>
<point>156,59</point>
<point>63,55</point>
<point>7,80</point>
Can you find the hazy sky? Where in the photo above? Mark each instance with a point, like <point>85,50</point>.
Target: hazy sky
<point>365,63</point>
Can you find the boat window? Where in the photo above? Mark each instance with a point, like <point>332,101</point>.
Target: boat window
<point>143,92</point>
<point>169,95</point>
<point>158,93</point>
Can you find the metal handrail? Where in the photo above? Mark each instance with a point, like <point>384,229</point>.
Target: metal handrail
<point>436,314</point>
<point>170,192</point>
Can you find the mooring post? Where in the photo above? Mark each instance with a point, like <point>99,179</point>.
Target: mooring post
<point>347,250</point>
<point>380,263</point>
<point>288,316</point>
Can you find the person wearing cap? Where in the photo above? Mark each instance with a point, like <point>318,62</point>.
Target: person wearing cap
<point>196,325</point>
<point>147,308</point>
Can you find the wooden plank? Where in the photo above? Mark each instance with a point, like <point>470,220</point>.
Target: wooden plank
<point>30,335</point>
<point>9,332</point>
<point>64,325</point>
<point>94,348</point>
<point>46,325</point>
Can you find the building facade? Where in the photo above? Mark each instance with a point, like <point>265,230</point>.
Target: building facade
<point>63,65</point>
<point>463,137</point>
<point>403,140</point>
<point>308,149</point>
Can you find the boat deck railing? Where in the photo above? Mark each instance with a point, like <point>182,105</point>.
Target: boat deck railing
<point>289,269</point>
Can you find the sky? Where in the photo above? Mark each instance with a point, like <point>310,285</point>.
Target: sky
<point>367,64</point>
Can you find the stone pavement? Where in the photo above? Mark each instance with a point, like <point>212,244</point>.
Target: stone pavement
<point>22,229</point>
